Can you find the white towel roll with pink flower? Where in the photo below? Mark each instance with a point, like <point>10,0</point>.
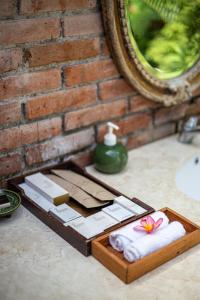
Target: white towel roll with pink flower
<point>145,236</point>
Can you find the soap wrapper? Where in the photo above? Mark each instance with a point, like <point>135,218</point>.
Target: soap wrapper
<point>85,227</point>
<point>76,193</point>
<point>36,197</point>
<point>130,205</point>
<point>118,212</point>
<point>85,184</point>
<point>103,220</point>
<point>65,213</point>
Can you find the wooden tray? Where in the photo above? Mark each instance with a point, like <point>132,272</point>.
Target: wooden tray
<point>128,272</point>
<point>67,233</point>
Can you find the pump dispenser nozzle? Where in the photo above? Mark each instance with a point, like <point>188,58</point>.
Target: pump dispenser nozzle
<point>110,138</point>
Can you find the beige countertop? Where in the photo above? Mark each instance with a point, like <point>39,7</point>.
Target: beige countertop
<point>37,264</point>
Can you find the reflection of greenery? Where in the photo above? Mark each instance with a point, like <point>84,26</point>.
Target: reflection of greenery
<point>167,33</point>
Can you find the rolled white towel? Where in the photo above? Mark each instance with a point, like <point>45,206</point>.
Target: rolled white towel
<point>154,241</point>
<point>120,238</point>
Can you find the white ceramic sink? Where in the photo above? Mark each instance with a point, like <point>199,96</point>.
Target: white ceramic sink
<point>188,178</point>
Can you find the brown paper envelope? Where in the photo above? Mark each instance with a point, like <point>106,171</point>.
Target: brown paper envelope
<point>76,193</point>
<point>85,184</point>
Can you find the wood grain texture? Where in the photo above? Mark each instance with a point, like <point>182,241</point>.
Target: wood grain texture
<point>79,242</point>
<point>128,272</point>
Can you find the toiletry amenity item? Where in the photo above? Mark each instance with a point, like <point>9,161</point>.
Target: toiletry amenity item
<point>36,197</point>
<point>120,238</point>
<point>85,184</point>
<point>77,194</point>
<point>110,156</point>
<point>85,227</point>
<point>103,220</point>
<point>4,201</point>
<point>154,241</point>
<point>130,205</point>
<point>46,187</point>
<point>117,212</point>
<point>65,213</point>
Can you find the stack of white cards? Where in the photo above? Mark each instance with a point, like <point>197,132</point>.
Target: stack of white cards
<point>85,227</point>
<point>65,213</point>
<point>118,212</point>
<point>36,197</point>
<point>130,205</point>
<point>103,220</point>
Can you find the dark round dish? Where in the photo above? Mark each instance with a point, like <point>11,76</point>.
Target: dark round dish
<point>15,201</point>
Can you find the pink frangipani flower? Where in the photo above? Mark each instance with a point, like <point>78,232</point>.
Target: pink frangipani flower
<point>148,224</point>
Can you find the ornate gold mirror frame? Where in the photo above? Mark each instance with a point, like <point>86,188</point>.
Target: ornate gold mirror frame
<point>169,92</point>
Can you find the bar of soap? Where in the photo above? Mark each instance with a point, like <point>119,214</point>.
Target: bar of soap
<point>65,213</point>
<point>36,197</point>
<point>103,220</point>
<point>46,187</point>
<point>130,205</point>
<point>85,227</point>
<point>118,212</point>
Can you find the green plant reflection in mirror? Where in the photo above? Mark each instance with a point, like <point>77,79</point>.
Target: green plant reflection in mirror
<point>165,34</point>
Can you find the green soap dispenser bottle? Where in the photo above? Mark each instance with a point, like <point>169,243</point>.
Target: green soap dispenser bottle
<point>110,157</point>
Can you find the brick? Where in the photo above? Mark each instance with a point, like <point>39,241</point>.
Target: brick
<point>128,125</point>
<point>140,103</point>
<point>82,158</point>
<point>59,146</point>
<point>10,164</point>
<point>60,101</point>
<point>49,128</point>
<point>105,49</point>
<point>28,30</point>
<point>28,83</point>
<point>196,92</point>
<point>163,131</point>
<point>148,136</point>
<point>10,112</point>
<point>7,8</point>
<point>84,73</point>
<point>135,122</point>
<point>62,52</point>
<point>18,136</point>
<point>82,24</point>
<point>174,113</point>
<point>10,138</point>
<point>101,112</point>
<point>194,108</point>
<point>38,131</point>
<point>10,59</point>
<point>36,6</point>
<point>140,139</point>
<point>114,88</point>
<point>28,133</point>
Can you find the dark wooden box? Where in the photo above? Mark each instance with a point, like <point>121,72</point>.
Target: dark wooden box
<point>67,233</point>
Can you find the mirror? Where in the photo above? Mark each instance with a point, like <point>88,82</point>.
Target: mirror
<point>165,34</point>
<point>156,45</point>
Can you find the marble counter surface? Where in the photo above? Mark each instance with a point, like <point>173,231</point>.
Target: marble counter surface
<point>37,264</point>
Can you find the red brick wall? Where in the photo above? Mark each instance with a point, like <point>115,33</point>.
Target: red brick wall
<point>59,87</point>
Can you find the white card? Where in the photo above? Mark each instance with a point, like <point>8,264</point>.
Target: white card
<point>118,212</point>
<point>85,227</point>
<point>130,205</point>
<point>36,197</point>
<point>103,220</point>
<point>65,212</point>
